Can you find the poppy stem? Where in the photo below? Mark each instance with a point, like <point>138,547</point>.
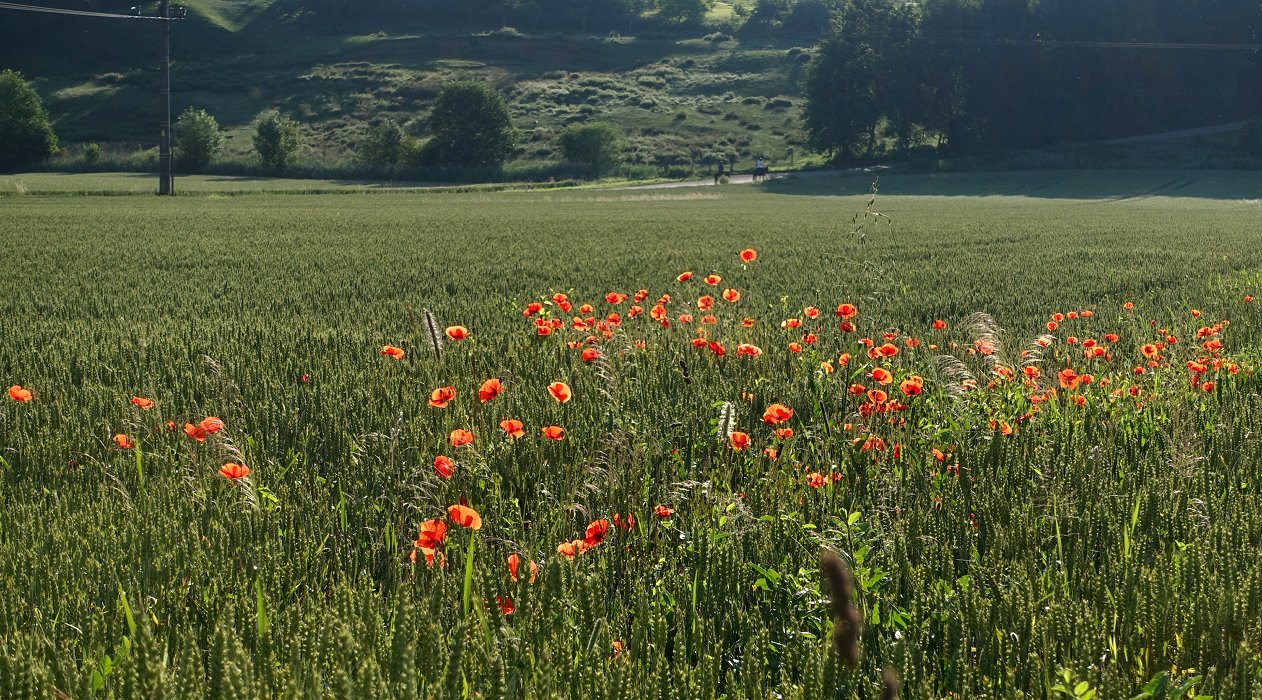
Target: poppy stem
<point>467,600</point>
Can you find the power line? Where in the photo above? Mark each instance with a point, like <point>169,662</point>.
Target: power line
<point>79,13</point>
<point>1057,43</point>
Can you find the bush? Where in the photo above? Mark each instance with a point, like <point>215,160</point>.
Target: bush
<point>26,135</point>
<point>276,140</point>
<point>597,145</point>
<point>471,127</point>
<point>197,139</point>
<point>92,152</point>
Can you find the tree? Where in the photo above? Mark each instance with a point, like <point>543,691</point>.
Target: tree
<point>26,136</point>
<point>387,145</point>
<point>276,139</point>
<point>597,146</point>
<point>471,127</point>
<point>197,138</point>
<point>682,11</point>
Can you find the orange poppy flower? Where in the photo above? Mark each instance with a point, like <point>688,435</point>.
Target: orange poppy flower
<point>1128,305</point>
<point>747,350</point>
<point>142,403</point>
<point>1248,298</point>
<point>771,453</point>
<point>847,311</point>
<point>444,467</point>
<point>626,523</point>
<point>460,437</point>
<point>595,533</point>
<point>658,313</point>
<point>887,350</point>
<point>17,393</point>
<point>843,360</point>
<point>784,433</point>
<point>795,347</point>
<point>882,375</point>
<point>590,354</point>
<point>440,397</point>
<point>457,332</point>
<point>1150,350</point>
<point>856,389</point>
<point>776,414</point>
<point>717,348</point>
<point>490,389</point>
<point>554,432</point>
<point>532,308</point>
<point>560,391</point>
<point>232,470</point>
<point>464,516</point>
<point>912,386</point>
<point>1068,378</point>
<point>123,441</point>
<point>731,296</point>
<point>615,298</point>
<point>196,432</point>
<point>749,255</point>
<point>211,424</point>
<point>740,441</point>
<point>713,280</point>
<point>392,352</point>
<point>815,480</point>
<point>571,549</point>
<point>684,276</point>
<point>705,302</point>
<point>810,312</point>
<point>432,534</point>
<point>939,325</point>
<point>505,605</point>
<point>663,511</point>
<point>877,396</point>
<point>512,428</point>
<point>514,561</point>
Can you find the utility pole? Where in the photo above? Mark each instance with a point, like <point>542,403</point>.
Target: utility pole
<point>166,176</point>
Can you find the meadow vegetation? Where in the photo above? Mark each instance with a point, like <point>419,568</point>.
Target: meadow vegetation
<point>234,459</point>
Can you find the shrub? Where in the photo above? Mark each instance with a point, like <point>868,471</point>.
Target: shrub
<point>26,135</point>
<point>92,152</point>
<point>387,145</point>
<point>597,146</point>
<point>197,139</point>
<point>276,140</point>
<point>471,127</point>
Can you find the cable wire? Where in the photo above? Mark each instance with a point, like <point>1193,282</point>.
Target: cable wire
<point>79,13</point>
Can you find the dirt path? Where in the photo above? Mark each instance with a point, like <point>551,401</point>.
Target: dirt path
<point>746,179</point>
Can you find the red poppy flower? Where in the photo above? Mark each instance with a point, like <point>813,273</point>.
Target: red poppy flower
<point>505,605</point>
<point>1248,298</point>
<point>626,523</point>
<point>684,276</point>
<point>882,375</point>
<point>615,298</point>
<point>815,480</point>
<point>749,255</point>
<point>211,424</point>
<point>432,534</point>
<point>514,561</point>
<point>663,511</point>
<point>490,389</point>
<point>196,432</point>
<point>658,313</point>
<point>1069,379</point>
<point>123,441</point>
<point>887,350</point>
<point>460,437</point>
<point>392,352</point>
<point>776,414</point>
<point>464,516</point>
<point>717,348</point>
<point>595,533</point>
<point>705,302</point>
<point>856,389</point>
<point>1128,305</point>
<point>713,280</point>
<point>1150,350</point>
<point>444,467</point>
<point>17,393</point>
<point>142,403</point>
<point>939,325</point>
<point>440,397</point>
<point>571,549</point>
<point>731,296</point>
<point>532,308</point>
<point>512,428</point>
<point>739,440</point>
<point>877,396</point>
<point>747,350</point>
<point>457,332</point>
<point>232,470</point>
<point>590,354</point>
<point>847,327</point>
<point>560,391</point>
<point>810,312</point>
<point>554,432</point>
<point>912,386</point>
<point>795,347</point>
<point>847,311</point>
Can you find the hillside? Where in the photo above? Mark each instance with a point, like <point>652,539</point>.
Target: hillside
<point>682,95</point>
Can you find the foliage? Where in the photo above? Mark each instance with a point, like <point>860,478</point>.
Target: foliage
<point>92,152</point>
<point>471,126</point>
<point>387,145</point>
<point>597,145</point>
<point>276,140</point>
<point>681,11</point>
<point>197,139</point>
<point>1054,543</point>
<point>26,135</point>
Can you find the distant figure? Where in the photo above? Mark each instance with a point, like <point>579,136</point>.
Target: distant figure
<point>760,170</point>
<point>718,173</point>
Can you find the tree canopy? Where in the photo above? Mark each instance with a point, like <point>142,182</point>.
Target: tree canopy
<point>471,127</point>
<point>26,135</point>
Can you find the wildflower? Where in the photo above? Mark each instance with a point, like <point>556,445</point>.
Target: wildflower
<point>505,605</point>
<point>624,523</point>
<point>211,424</point>
<point>847,311</point>
<point>460,437</point>
<point>815,480</point>
<point>595,533</point>
<point>739,440</point>
<point>432,534</point>
<point>560,391</point>
<point>490,389</point>
<point>881,375</point>
<point>776,414</point>
<point>554,432</point>
<point>234,471</point>
<point>713,280</point>
<point>457,332</point>
<point>123,441</point>
<point>512,428</point>
<point>731,296</point>
<point>444,467</point>
<point>939,325</point>
<point>749,255</point>
<point>393,352</point>
<point>684,276</point>
<point>440,397</point>
<point>514,561</point>
<point>196,432</point>
<point>17,393</point>
<point>810,312</point>
<point>464,516</point>
<point>663,511</point>
<point>141,403</point>
<point>571,549</point>
<point>912,386</point>
<point>615,298</point>
<point>747,350</point>
<point>591,354</point>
